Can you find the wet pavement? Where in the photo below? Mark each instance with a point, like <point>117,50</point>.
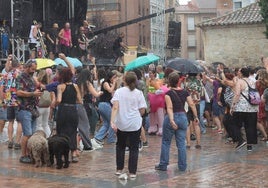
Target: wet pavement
<point>216,165</point>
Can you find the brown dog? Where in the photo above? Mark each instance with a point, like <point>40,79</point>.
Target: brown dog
<point>38,148</point>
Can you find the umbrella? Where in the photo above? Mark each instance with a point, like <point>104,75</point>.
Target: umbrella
<point>185,66</point>
<point>44,63</point>
<point>74,61</point>
<point>141,61</point>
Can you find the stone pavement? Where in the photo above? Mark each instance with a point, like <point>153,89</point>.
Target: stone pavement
<point>216,165</point>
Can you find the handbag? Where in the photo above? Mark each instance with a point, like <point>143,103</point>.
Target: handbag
<point>254,97</point>
<point>35,113</point>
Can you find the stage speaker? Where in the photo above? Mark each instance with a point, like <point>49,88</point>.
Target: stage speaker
<point>17,24</point>
<point>23,18</point>
<point>174,35</point>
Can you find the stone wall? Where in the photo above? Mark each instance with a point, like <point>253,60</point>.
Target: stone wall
<point>235,45</point>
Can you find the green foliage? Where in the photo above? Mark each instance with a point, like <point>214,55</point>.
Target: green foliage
<point>264,12</point>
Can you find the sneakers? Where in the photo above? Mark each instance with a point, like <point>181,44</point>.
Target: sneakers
<point>25,159</point>
<point>198,146</point>
<point>132,176</point>
<point>145,144</point>
<point>95,144</point>
<point>140,146</point>
<point>161,168</point>
<point>17,146</point>
<point>249,147</point>
<point>240,145</point>
<point>88,150</point>
<point>10,145</point>
<point>75,159</point>
<point>118,172</point>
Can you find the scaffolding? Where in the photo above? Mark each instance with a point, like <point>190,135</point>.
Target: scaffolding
<point>18,45</point>
<point>158,29</point>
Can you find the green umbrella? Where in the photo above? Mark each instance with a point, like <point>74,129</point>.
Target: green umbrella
<point>141,61</point>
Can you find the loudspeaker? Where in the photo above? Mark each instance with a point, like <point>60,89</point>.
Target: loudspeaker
<point>23,17</point>
<point>17,24</point>
<point>174,35</point>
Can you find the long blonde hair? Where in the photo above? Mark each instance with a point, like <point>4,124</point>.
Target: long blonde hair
<point>43,77</point>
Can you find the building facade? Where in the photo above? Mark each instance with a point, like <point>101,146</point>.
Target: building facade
<point>158,28</point>
<point>236,39</point>
<point>189,15</point>
<point>137,35</point>
<point>196,11</point>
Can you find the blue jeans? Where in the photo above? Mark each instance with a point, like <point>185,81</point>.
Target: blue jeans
<point>105,111</point>
<point>180,119</point>
<point>27,122</point>
<point>202,105</point>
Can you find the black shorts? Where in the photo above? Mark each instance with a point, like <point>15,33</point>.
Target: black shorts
<point>190,115</point>
<point>32,46</point>
<point>12,113</point>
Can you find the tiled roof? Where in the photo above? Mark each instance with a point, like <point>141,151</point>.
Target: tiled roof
<point>247,15</point>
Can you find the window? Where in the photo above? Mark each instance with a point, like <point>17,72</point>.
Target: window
<point>237,5</point>
<point>191,41</point>
<point>140,36</point>
<point>94,5</point>
<point>192,55</point>
<point>191,25</point>
<point>144,39</point>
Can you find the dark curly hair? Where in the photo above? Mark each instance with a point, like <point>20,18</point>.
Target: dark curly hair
<point>65,75</point>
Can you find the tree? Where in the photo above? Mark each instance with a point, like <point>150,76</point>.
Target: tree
<point>264,12</point>
<point>103,46</point>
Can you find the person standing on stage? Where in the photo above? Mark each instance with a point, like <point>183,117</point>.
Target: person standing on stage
<point>65,42</point>
<point>33,39</point>
<point>53,40</point>
<point>119,47</point>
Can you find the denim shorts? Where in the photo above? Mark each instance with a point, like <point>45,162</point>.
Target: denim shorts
<point>3,113</point>
<point>217,109</point>
<point>27,122</point>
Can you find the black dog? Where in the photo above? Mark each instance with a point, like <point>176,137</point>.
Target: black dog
<point>58,145</point>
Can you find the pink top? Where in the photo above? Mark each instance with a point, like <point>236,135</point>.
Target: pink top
<point>157,100</point>
<point>67,35</point>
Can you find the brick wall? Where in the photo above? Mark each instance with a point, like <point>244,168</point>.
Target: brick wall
<point>238,45</point>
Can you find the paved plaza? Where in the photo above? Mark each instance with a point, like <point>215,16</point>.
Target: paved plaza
<point>217,164</point>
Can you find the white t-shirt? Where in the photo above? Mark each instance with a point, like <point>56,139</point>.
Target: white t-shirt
<point>128,117</point>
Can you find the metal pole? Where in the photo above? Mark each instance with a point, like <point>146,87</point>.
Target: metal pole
<point>44,12</point>
<point>12,26</point>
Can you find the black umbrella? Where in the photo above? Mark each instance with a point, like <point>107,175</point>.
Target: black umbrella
<point>184,66</point>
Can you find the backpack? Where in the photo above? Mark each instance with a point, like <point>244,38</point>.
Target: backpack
<point>45,99</point>
<point>254,97</point>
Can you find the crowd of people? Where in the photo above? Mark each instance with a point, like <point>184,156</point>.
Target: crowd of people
<point>94,107</point>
